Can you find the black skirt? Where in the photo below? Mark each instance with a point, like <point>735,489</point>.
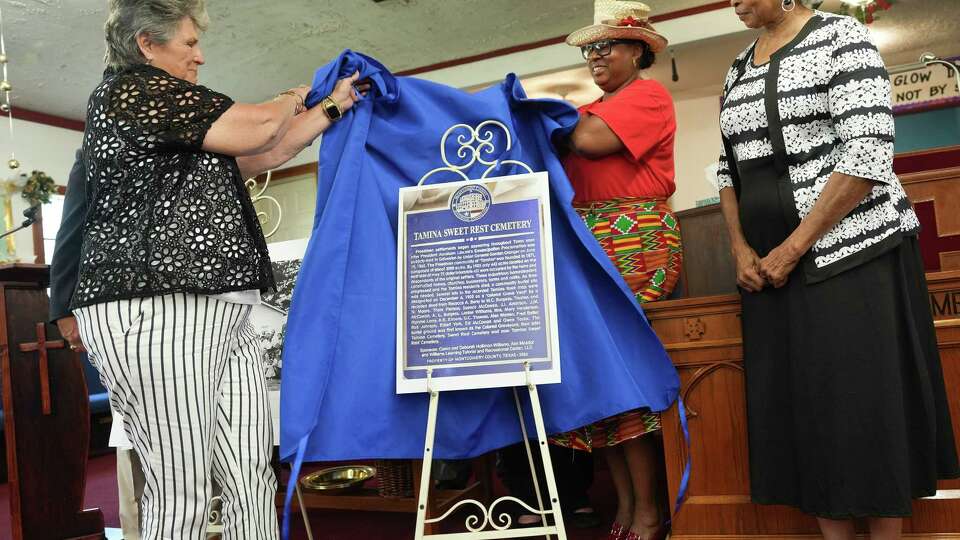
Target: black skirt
<point>847,411</point>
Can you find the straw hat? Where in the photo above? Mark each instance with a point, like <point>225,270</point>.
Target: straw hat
<point>619,19</point>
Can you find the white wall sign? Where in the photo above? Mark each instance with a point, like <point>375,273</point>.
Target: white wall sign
<point>923,88</point>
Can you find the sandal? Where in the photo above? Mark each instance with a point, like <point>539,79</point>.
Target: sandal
<point>617,532</point>
<point>659,534</point>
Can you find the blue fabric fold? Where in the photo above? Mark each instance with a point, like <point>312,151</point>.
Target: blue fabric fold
<point>338,397</point>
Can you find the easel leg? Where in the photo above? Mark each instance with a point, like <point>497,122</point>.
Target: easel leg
<point>427,462</point>
<point>428,528</point>
<point>424,530</point>
<point>303,512</point>
<point>545,456</point>
<point>533,469</point>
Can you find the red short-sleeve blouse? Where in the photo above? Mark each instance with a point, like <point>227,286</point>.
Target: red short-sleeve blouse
<point>642,116</point>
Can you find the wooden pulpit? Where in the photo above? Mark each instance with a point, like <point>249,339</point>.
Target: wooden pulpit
<point>936,198</point>
<point>46,415</point>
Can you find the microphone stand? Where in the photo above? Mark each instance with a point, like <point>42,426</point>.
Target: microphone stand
<point>30,214</point>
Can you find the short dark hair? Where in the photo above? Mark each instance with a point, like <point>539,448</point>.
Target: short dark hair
<point>647,56</point>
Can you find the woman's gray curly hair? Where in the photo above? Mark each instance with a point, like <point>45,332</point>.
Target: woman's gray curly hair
<point>156,18</point>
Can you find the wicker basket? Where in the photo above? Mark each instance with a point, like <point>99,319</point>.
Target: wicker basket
<point>395,477</point>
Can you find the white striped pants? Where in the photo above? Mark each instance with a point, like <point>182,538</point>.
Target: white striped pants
<point>185,373</point>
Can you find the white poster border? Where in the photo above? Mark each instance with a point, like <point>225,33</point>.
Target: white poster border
<point>440,382</point>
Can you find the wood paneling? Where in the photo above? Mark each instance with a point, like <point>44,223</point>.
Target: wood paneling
<point>280,176</point>
<point>950,260</point>
<point>703,338</point>
<point>943,188</point>
<point>940,233</point>
<point>46,119</point>
<point>927,160</point>
<point>708,267</point>
<point>39,255</point>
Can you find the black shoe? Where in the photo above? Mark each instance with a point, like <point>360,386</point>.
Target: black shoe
<point>583,520</point>
<point>451,485</point>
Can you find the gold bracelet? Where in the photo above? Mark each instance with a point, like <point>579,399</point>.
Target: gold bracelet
<point>299,107</point>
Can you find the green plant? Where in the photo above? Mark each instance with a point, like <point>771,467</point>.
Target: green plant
<point>38,188</point>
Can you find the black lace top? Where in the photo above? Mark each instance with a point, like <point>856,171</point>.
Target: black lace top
<point>163,215</point>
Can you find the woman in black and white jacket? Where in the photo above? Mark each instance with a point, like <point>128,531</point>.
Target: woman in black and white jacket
<point>847,409</point>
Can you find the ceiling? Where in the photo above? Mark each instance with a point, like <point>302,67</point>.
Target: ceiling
<point>255,48</point>
<point>909,29</point>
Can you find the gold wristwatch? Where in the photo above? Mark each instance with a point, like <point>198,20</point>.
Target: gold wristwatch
<point>331,108</point>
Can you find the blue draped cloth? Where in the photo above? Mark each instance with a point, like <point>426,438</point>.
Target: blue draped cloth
<point>338,397</point>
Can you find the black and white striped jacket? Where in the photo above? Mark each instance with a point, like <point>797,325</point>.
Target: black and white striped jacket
<point>828,108</point>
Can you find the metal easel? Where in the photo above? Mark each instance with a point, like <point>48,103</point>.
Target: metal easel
<point>492,526</point>
<point>479,145</point>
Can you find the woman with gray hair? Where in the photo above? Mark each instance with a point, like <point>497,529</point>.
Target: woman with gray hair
<point>173,259</point>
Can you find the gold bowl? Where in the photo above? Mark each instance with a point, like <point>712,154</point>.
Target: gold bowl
<point>338,479</point>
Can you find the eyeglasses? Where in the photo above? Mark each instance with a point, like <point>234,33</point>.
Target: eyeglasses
<point>602,48</point>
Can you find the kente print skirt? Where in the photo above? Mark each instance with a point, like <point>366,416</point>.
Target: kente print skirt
<point>642,238</point>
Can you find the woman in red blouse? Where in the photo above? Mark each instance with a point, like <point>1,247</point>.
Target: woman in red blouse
<point>620,163</point>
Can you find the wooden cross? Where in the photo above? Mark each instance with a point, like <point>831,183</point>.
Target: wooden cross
<point>694,328</point>
<point>42,345</point>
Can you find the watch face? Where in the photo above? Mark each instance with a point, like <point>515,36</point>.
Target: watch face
<point>333,110</point>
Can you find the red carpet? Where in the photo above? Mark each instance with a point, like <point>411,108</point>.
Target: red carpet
<point>327,525</point>
<point>101,493</point>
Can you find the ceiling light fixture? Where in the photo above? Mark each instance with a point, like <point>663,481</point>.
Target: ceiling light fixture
<point>6,88</point>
